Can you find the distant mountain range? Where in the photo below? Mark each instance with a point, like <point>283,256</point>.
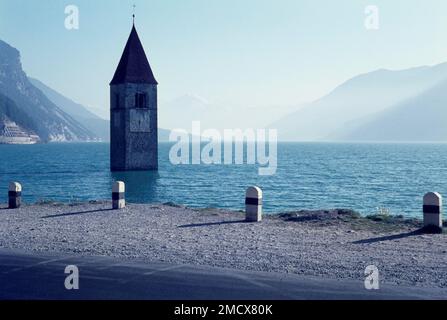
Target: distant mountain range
<point>30,108</point>
<point>98,126</point>
<point>39,109</point>
<point>384,105</point>
<point>379,106</point>
<point>179,113</point>
<point>420,118</point>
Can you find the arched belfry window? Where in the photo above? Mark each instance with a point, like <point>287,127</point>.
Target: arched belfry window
<point>140,100</point>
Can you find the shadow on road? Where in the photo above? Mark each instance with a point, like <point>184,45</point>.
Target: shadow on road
<point>195,225</point>
<point>75,213</point>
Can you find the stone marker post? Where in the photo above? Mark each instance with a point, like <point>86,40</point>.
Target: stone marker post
<point>14,195</point>
<point>433,210</point>
<point>118,198</point>
<point>253,204</point>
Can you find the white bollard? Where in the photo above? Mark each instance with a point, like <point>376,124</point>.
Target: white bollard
<point>14,195</point>
<point>118,198</point>
<point>433,210</point>
<point>253,204</point>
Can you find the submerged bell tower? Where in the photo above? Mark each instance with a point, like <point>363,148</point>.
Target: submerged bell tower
<point>133,111</point>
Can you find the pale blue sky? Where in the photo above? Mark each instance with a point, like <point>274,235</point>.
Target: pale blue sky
<point>244,53</point>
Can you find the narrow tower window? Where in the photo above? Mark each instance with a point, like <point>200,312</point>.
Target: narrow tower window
<point>117,101</point>
<point>140,100</point>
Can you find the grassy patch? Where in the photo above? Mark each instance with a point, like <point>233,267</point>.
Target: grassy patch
<point>382,221</point>
<point>172,204</point>
<point>319,215</point>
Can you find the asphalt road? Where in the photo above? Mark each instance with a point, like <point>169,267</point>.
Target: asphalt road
<point>41,276</point>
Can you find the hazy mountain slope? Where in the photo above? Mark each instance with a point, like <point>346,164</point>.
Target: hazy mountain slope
<point>10,111</point>
<point>422,118</point>
<point>97,125</point>
<point>361,96</point>
<point>92,122</point>
<point>66,104</point>
<point>50,122</point>
<point>179,113</point>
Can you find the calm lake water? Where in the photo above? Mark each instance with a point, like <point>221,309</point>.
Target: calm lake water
<point>309,176</point>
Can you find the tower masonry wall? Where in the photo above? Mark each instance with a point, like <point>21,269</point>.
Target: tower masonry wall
<point>133,127</point>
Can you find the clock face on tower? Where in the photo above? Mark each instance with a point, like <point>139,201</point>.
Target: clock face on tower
<point>140,120</point>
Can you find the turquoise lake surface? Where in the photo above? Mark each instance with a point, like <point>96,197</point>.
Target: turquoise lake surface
<point>363,177</point>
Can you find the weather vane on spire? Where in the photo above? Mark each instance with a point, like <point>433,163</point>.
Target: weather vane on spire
<point>133,14</point>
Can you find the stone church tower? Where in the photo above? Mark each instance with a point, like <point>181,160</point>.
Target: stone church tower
<point>133,111</point>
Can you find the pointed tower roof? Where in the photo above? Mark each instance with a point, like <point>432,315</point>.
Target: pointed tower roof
<point>133,66</point>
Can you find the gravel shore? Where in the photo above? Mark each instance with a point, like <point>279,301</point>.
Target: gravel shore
<point>333,244</point>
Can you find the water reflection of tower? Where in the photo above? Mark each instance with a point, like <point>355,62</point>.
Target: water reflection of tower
<point>141,186</point>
